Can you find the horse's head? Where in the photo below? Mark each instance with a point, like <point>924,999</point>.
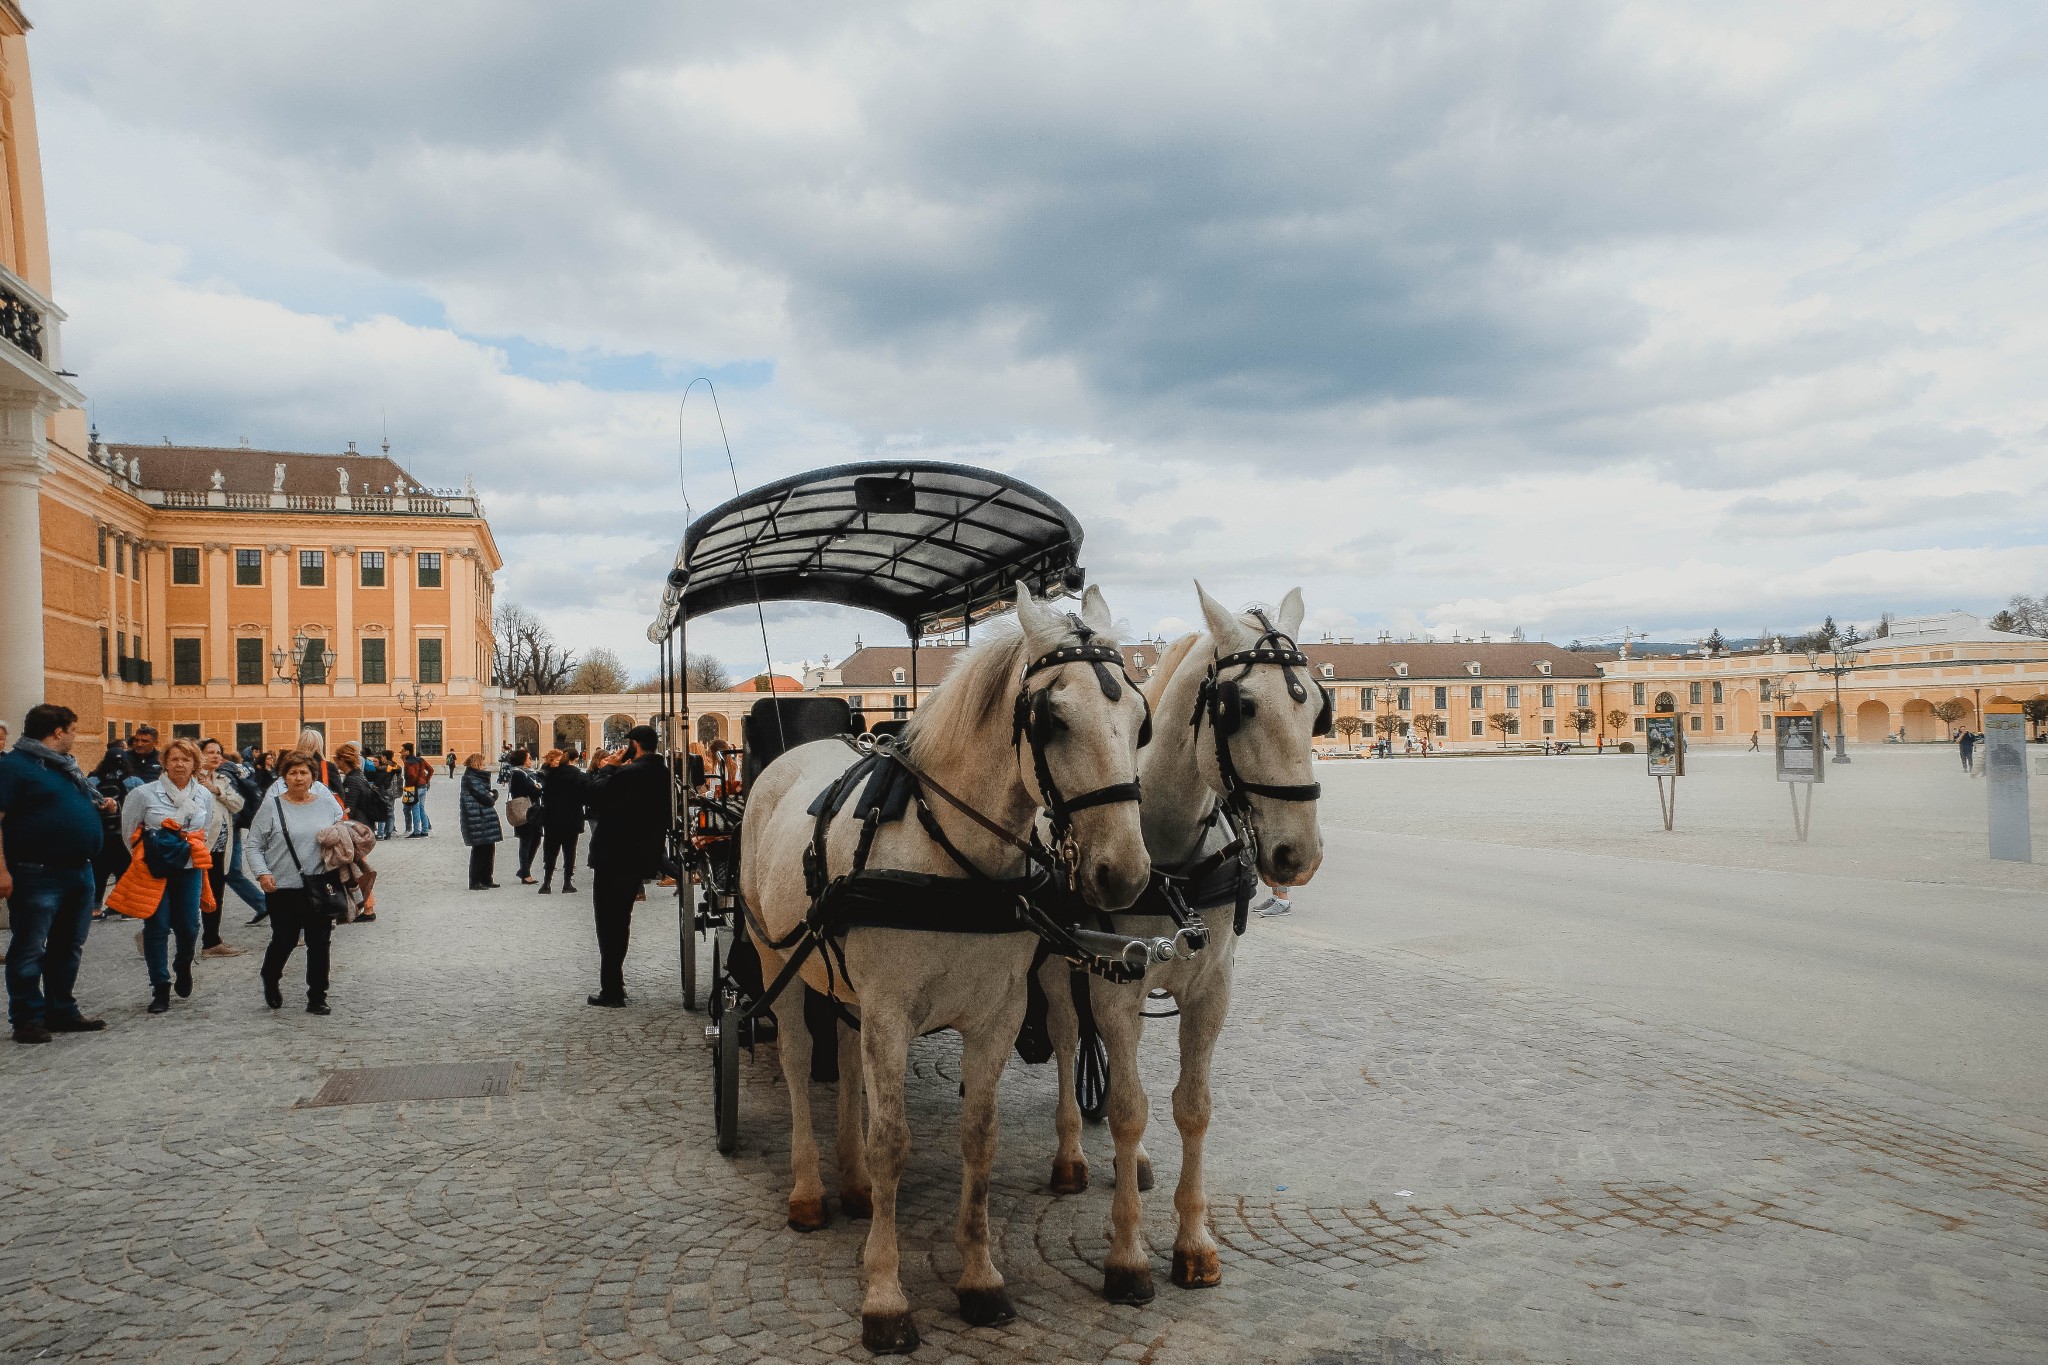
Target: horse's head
<point>1265,705</point>
<point>1080,721</point>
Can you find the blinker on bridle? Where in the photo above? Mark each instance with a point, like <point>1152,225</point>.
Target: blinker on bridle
<point>1223,701</point>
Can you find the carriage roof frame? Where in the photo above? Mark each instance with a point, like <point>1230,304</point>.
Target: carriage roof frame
<point>933,545</point>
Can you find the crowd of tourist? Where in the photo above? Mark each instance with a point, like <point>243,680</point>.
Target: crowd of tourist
<point>161,833</point>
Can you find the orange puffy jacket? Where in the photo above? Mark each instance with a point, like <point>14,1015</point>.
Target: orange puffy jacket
<point>138,894</point>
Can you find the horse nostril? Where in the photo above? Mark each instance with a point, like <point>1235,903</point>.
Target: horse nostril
<point>1285,861</point>
<point>1104,875</point>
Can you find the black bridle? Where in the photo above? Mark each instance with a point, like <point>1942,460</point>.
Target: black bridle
<point>1222,701</point>
<point>1032,724</point>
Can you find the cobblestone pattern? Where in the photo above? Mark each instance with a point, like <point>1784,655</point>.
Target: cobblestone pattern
<point>1407,1165</point>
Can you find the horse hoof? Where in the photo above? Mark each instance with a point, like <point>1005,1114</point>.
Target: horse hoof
<point>1144,1173</point>
<point>888,1334</point>
<point>1127,1286</point>
<point>1196,1269</point>
<point>856,1204</point>
<point>986,1307</point>
<point>1069,1177</point>
<point>808,1215</point>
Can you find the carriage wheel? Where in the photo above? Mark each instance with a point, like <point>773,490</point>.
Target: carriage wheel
<point>1091,1079</point>
<point>725,1073</point>
<point>686,914</point>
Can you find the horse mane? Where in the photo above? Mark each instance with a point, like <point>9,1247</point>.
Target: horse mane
<point>1169,663</point>
<point>979,692</point>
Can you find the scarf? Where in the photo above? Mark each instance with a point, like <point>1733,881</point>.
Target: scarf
<point>183,803</point>
<point>38,752</point>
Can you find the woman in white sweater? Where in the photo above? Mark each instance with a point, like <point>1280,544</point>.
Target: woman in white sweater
<point>281,851</point>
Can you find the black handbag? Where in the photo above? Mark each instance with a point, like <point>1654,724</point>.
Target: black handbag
<point>324,892</point>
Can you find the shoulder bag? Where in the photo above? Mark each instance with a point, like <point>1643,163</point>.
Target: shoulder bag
<point>324,892</point>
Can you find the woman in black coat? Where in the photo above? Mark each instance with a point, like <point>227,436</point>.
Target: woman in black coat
<point>478,807</point>
<point>562,788</point>
<point>519,785</point>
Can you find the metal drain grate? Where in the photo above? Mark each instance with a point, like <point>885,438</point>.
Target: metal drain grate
<point>432,1081</point>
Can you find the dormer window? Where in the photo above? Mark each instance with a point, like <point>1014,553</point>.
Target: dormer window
<point>1329,670</point>
<point>1473,668</point>
<point>1400,670</point>
<point>897,675</point>
<point>1543,667</point>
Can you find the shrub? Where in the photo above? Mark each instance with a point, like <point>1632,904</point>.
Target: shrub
<point>1628,747</point>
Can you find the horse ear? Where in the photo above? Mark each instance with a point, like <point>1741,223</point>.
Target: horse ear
<point>1041,623</point>
<point>1291,612</point>
<point>1095,612</point>
<point>1229,633</point>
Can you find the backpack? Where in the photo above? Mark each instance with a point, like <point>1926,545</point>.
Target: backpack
<point>373,807</point>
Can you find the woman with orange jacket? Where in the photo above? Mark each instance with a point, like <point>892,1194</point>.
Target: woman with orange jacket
<point>176,800</point>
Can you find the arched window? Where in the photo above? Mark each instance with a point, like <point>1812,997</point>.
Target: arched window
<point>1666,702</point>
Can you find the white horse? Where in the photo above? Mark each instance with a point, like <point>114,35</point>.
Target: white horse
<point>1185,787</point>
<point>911,982</point>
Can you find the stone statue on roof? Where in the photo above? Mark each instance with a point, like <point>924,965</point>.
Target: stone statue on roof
<point>344,481</point>
<point>400,486</point>
<point>135,470</point>
<point>220,481</point>
<point>277,477</point>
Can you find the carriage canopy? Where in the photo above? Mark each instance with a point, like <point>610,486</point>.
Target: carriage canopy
<point>933,545</point>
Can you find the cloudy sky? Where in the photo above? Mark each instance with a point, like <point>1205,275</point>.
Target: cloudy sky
<point>1573,316</point>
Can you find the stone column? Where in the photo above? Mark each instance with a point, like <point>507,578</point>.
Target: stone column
<point>24,458</point>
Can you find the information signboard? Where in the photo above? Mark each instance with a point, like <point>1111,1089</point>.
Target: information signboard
<point>1798,747</point>
<point>1666,742</point>
<point>2005,764</point>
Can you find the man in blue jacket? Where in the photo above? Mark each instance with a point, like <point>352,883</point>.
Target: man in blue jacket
<point>49,831</point>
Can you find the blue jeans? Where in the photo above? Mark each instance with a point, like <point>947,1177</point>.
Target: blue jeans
<point>416,821</point>
<point>239,882</point>
<point>177,913</point>
<point>52,912</point>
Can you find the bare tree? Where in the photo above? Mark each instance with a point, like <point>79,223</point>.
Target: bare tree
<point>1952,710</point>
<point>600,671</point>
<point>2029,614</point>
<point>702,673</point>
<point>1349,728</point>
<point>1506,722</point>
<point>1388,723</point>
<point>1617,719</point>
<point>1425,725</point>
<point>524,654</point>
<point>1582,720</point>
<point>2035,709</point>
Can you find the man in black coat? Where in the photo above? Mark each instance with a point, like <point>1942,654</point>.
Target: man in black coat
<point>629,802</point>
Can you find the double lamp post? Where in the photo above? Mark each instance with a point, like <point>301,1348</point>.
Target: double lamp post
<point>296,666</point>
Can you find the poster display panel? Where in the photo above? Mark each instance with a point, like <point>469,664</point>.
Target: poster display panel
<point>1666,743</point>
<point>1798,747</point>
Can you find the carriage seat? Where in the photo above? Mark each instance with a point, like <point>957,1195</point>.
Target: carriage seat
<point>802,719</point>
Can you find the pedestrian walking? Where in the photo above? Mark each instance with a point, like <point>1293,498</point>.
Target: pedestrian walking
<point>1754,737</point>
<point>283,845</point>
<point>228,800</point>
<point>362,799</point>
<point>1966,745</point>
<point>392,779</point>
<point>477,804</point>
<point>141,762</point>
<point>563,788</point>
<point>451,763</point>
<point>419,775</point>
<point>628,800</point>
<point>326,775</point>
<point>169,896</point>
<point>260,772</point>
<point>523,810</point>
<point>50,830</point>
<point>112,859</point>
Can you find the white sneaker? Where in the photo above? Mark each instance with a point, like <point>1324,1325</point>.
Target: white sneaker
<point>1275,906</point>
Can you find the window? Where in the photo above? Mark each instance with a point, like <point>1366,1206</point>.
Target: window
<point>373,661</point>
<point>430,739</point>
<point>1478,698</point>
<point>1720,722</point>
<point>1766,718</point>
<point>899,705</point>
<point>372,563</point>
<point>1443,698</point>
<point>1400,670</point>
<point>1549,727</point>
<point>1401,699</point>
<point>1365,699</point>
<point>184,564</point>
<point>249,662</point>
<point>1693,694</point>
<point>1479,729</point>
<point>1639,724</point>
<point>185,662</point>
<point>248,568</point>
<point>896,675</point>
<point>103,547</point>
<point>319,726</point>
<point>373,737</point>
<point>112,738</point>
<point>1695,722</point>
<point>855,701</point>
<point>248,734</point>
<point>1514,695</point>
<point>121,648</point>
<point>430,661</point>
<point>1717,694</point>
<point>120,556</point>
<point>429,562</point>
<point>312,666</point>
<point>1514,725</point>
<point>1543,667</point>
<point>1636,695</point>
<point>312,568</point>
<point>1763,689</point>
<point>190,732</point>
<point>1549,696</point>
<point>1585,694</point>
<point>1443,727</point>
<point>105,656</point>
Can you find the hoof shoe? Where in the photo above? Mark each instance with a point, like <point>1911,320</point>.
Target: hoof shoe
<point>888,1334</point>
<point>986,1307</point>
<point>1196,1269</point>
<point>1069,1177</point>
<point>808,1215</point>
<point>1127,1286</point>
<point>856,1204</point>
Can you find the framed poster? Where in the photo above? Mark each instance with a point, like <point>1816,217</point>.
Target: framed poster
<point>1666,744</point>
<point>1798,747</point>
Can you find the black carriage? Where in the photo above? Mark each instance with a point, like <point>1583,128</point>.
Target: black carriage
<point>937,547</point>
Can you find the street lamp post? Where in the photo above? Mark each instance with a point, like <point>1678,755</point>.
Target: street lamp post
<point>1842,664</point>
<point>416,701</point>
<point>296,674</point>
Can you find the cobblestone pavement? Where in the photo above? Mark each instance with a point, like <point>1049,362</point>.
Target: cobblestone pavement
<point>1408,1164</point>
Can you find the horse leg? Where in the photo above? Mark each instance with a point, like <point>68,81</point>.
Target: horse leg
<point>807,1211</point>
<point>1195,1264</point>
<point>1127,1271</point>
<point>886,1324</point>
<point>1063,1024</point>
<point>855,1197</point>
<point>983,1299</point>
